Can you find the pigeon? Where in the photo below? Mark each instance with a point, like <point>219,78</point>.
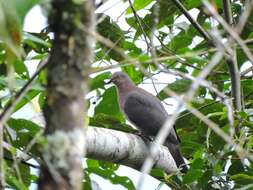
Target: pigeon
<point>147,113</point>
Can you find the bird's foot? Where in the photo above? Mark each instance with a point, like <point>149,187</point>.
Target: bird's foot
<point>144,137</point>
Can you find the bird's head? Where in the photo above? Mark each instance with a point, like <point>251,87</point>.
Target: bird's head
<point>120,79</point>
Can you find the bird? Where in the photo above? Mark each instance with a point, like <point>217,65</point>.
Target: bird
<point>147,113</point>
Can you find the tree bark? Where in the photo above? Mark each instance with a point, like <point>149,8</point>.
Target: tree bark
<point>68,70</point>
<point>118,147</point>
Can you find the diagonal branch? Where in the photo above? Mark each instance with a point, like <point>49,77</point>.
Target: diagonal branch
<point>20,94</point>
<point>232,63</point>
<point>197,26</point>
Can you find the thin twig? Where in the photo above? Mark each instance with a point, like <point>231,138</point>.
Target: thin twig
<point>20,94</point>
<point>15,164</point>
<point>139,23</point>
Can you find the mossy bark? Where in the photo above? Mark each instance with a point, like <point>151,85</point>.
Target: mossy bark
<point>68,70</point>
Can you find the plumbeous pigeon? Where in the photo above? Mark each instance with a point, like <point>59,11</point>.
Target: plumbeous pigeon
<point>146,112</point>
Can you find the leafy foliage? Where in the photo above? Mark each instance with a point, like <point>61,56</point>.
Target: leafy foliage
<point>213,163</point>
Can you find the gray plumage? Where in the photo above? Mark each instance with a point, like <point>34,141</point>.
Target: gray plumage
<point>146,112</point>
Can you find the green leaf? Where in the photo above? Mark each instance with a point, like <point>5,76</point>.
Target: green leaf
<point>197,164</point>
<point>25,174</point>
<point>179,86</point>
<point>34,37</point>
<point>157,173</point>
<point>110,30</point>
<point>192,175</point>
<point>110,122</point>
<point>206,106</point>
<point>180,41</point>
<point>25,131</point>
<point>139,4</point>
<point>133,73</point>
<point>109,104</point>
<point>11,26</point>
<point>23,6</point>
<point>13,182</point>
<point>98,81</point>
<point>27,98</point>
<point>192,3</point>
<point>247,88</point>
<point>242,179</point>
<point>21,69</point>
<point>24,125</point>
<point>113,177</point>
<point>204,181</point>
<point>39,42</point>
<point>12,14</point>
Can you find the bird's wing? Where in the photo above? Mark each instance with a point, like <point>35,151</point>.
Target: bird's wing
<point>147,113</point>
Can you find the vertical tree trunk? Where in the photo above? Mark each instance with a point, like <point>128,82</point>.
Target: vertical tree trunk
<point>68,70</point>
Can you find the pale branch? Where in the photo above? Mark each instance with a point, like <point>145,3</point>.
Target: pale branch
<point>118,147</point>
<point>244,16</point>
<point>125,148</point>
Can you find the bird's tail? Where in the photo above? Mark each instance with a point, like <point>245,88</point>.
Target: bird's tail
<point>177,155</point>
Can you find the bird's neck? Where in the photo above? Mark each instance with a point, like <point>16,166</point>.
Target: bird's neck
<point>123,92</point>
<point>125,88</point>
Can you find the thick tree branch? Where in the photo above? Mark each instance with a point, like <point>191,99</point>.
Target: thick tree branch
<point>124,148</point>
<point>119,147</point>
